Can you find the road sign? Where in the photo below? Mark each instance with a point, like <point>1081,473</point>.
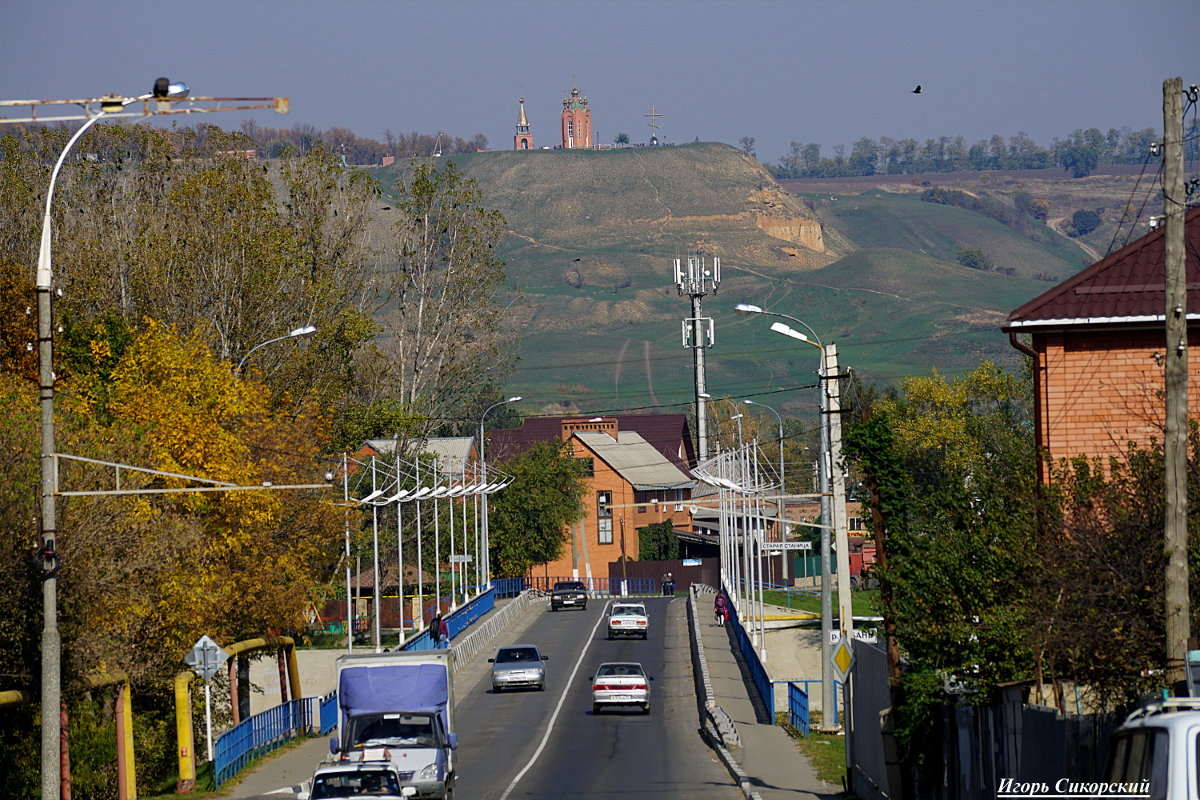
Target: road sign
<point>842,659</point>
<point>206,657</point>
<point>787,545</point>
<point>460,559</point>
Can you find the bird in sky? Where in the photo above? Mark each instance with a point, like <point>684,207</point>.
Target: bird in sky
<point>917,90</point>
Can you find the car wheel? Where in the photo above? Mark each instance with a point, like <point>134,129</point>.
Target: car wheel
<point>644,635</point>
<point>595,708</point>
<point>610,636</point>
<point>541,687</point>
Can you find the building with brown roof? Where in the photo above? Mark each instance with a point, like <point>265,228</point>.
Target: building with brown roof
<point>1097,340</point>
<point>638,475</point>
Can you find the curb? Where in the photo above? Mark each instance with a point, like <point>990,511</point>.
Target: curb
<point>717,728</point>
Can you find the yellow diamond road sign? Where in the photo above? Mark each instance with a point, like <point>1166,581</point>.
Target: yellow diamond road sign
<point>843,659</point>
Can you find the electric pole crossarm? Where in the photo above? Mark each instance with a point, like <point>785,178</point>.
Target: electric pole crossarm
<point>94,107</point>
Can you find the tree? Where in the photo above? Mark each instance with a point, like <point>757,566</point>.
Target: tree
<point>747,145</point>
<point>953,465</point>
<point>445,342</point>
<point>529,518</point>
<point>657,542</point>
<point>621,138</point>
<point>1084,222</point>
<point>974,258</point>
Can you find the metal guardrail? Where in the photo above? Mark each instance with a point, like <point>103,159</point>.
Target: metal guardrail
<point>798,705</point>
<point>758,673</point>
<point>262,733</point>
<point>456,622</point>
<point>472,644</point>
<point>329,713</point>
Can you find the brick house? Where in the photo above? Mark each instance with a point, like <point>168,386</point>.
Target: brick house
<point>1097,341</point>
<point>638,475</point>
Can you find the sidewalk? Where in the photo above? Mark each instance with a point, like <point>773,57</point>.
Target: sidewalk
<point>771,761</point>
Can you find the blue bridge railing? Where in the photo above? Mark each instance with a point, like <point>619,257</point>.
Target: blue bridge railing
<point>262,733</point>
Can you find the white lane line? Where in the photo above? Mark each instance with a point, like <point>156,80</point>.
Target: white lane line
<point>554,716</point>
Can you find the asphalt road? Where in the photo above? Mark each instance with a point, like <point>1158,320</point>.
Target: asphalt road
<point>529,744</point>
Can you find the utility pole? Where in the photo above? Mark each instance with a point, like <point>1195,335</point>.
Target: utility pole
<point>1175,378</point>
<point>695,281</point>
<point>837,482</point>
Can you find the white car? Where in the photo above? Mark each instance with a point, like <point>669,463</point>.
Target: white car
<point>628,619</point>
<point>1157,746</point>
<point>620,683</point>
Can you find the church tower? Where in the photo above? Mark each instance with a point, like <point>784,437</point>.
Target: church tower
<point>524,139</point>
<point>576,121</point>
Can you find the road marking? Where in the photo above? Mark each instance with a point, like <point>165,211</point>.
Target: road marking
<point>550,727</point>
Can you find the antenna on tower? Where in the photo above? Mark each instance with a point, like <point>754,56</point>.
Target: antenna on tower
<point>696,279</point>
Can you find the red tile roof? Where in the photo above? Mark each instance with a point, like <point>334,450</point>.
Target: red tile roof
<point>1124,287</point>
<point>665,432</point>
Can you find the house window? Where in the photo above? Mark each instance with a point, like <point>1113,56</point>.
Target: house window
<point>589,466</point>
<point>604,517</point>
<point>855,524</point>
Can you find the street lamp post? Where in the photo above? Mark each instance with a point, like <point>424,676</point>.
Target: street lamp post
<point>307,329</point>
<point>779,419</point>
<point>487,571</point>
<point>830,515</point>
<point>157,101</point>
<point>48,560</point>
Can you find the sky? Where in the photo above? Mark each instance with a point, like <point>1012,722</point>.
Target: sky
<point>781,71</point>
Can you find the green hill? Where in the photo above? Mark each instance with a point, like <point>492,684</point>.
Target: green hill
<point>593,235</point>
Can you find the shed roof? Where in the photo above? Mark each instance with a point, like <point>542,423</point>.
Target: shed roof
<point>667,433</point>
<point>1126,287</point>
<point>635,460</point>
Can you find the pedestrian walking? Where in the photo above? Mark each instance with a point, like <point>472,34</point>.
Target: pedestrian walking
<point>721,608</point>
<point>439,632</point>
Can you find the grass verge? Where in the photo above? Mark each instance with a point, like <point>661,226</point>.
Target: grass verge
<point>826,752</point>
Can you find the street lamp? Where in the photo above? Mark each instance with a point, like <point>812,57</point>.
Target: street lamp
<point>306,330</point>
<point>157,101</point>
<point>779,419</point>
<point>831,512</point>
<point>487,566</point>
<point>47,557</point>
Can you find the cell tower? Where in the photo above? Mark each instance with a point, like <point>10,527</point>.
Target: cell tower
<point>695,280</point>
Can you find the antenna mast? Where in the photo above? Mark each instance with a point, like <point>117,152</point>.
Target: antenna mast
<point>695,280</point>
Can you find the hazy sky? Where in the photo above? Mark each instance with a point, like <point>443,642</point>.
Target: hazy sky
<point>780,71</point>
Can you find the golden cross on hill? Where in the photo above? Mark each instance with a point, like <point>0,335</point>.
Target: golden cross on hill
<point>652,114</point>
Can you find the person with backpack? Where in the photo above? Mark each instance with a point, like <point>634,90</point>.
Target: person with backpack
<point>721,608</point>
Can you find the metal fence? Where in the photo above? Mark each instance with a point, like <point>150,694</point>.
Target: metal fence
<point>616,587</point>
<point>456,622</point>
<point>262,733</point>
<point>970,749</point>
<point>758,673</point>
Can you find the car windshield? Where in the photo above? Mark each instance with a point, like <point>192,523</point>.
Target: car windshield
<point>355,784</point>
<point>569,585</point>
<point>397,729</point>
<point>626,610</point>
<point>511,655</point>
<point>618,670</point>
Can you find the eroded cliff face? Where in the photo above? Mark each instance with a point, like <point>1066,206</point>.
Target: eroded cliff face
<point>781,216</point>
<point>797,230</point>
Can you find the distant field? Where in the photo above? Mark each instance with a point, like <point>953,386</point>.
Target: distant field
<point>593,235</point>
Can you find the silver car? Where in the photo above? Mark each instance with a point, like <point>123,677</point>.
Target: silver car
<point>518,666</point>
<point>620,683</point>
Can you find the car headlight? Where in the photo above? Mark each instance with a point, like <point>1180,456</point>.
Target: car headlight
<point>430,772</point>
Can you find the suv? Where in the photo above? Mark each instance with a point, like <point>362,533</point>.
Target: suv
<point>1157,746</point>
<point>568,594</point>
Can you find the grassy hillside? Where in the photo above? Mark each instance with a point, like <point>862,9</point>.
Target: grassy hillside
<point>593,234</point>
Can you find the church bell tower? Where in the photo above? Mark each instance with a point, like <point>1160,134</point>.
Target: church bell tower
<point>524,139</point>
